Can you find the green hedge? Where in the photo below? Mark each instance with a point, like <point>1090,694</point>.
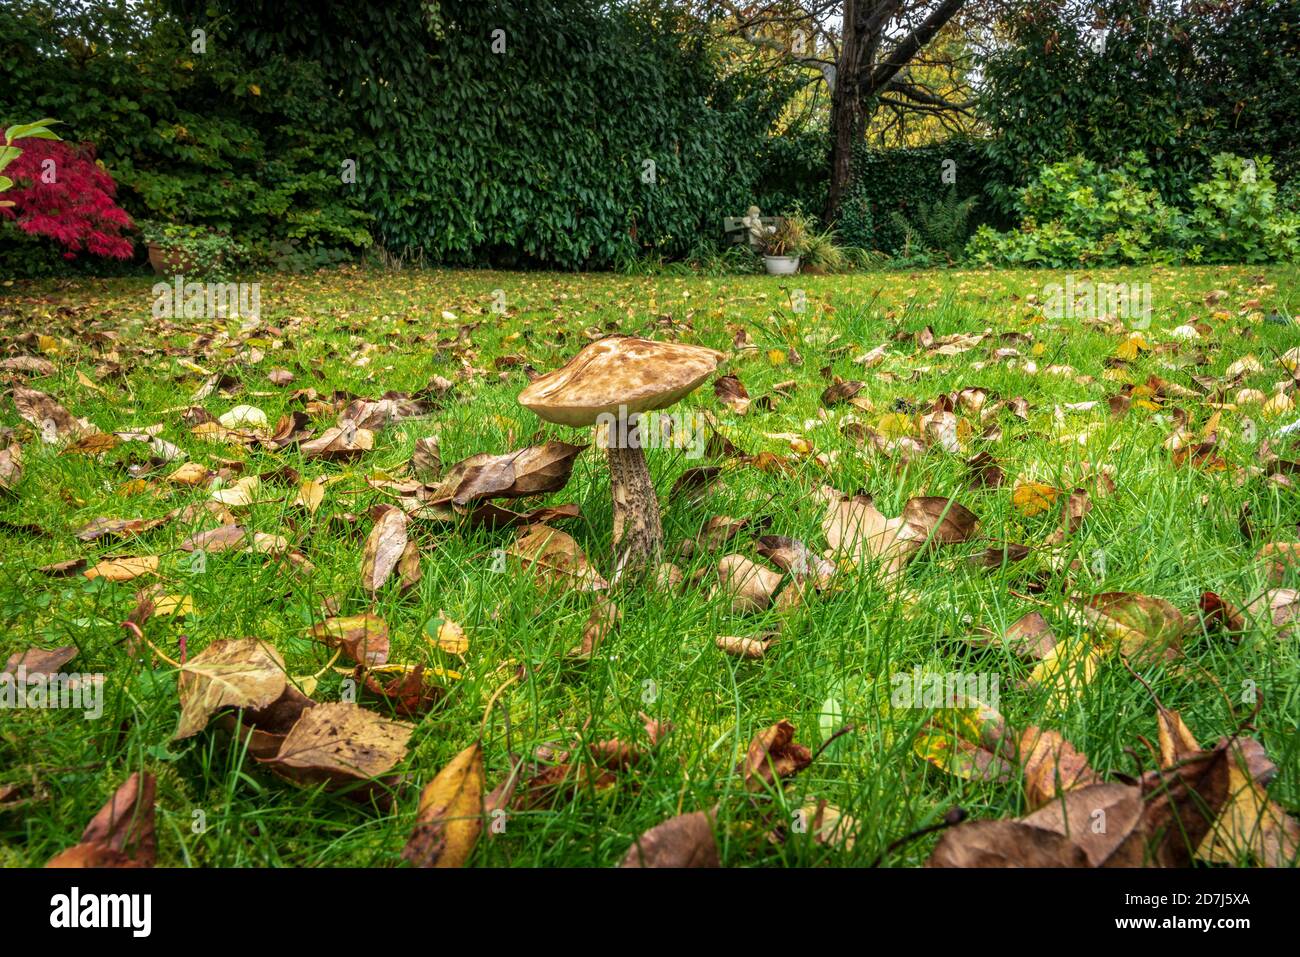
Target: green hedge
<point>248,148</point>
<point>534,151</point>
<point>1178,82</point>
<point>534,154</point>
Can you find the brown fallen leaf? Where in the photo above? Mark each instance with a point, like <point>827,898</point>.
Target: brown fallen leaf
<point>410,690</point>
<point>841,391</point>
<point>749,586</point>
<point>683,841</point>
<point>229,673</point>
<point>601,623</point>
<point>741,646</point>
<point>63,569</point>
<point>340,744</point>
<point>536,470</point>
<point>1141,627</point>
<point>1251,826</point>
<point>1103,820</point>
<point>426,461</point>
<point>1005,844</point>
<point>384,548</point>
<point>793,556</point>
<point>118,528</point>
<point>263,729</point>
<point>940,520</point>
<point>1280,607</point>
<point>33,365</point>
<point>555,558</point>
<point>122,834</point>
<point>1279,558</point>
<point>53,423</point>
<point>339,443</point>
<point>450,816</point>
<point>857,530</point>
<point>364,638</point>
<point>1030,636</point>
<point>409,570</point>
<point>985,471</point>
<point>1051,766</point>
<point>1222,615</point>
<point>772,757</point>
<point>40,661</point>
<point>214,540</point>
<point>11,467</point>
<point>1177,743</point>
<point>1183,802</point>
<point>731,393</point>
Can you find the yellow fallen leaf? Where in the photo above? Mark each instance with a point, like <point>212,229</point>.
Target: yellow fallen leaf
<point>177,605</point>
<point>447,635</point>
<point>1031,498</point>
<point>123,569</point>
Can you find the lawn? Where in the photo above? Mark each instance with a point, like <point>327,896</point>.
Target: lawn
<point>1170,519</point>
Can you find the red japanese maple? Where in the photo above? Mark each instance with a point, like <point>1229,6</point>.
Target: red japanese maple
<point>60,192</point>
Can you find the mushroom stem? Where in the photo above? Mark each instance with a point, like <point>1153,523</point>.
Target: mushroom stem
<point>638,533</point>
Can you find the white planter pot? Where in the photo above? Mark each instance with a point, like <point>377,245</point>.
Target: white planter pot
<point>781,265</point>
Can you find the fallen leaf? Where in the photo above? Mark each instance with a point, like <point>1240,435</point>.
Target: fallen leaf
<point>384,548</point>
<point>363,637</point>
<point>229,673</point>
<point>122,834</point>
<point>339,744</point>
<point>683,841</point>
<point>450,817</point>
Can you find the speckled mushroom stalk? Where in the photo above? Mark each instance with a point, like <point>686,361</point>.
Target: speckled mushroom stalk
<point>638,530</point>
<point>615,380</point>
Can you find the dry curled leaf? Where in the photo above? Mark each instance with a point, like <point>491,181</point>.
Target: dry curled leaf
<point>772,757</point>
<point>683,841</point>
<point>536,470</point>
<point>229,673</point>
<point>555,558</point>
<point>339,744</point>
<point>450,817</point>
<point>384,549</point>
<point>364,638</point>
<point>749,586</point>
<point>122,834</point>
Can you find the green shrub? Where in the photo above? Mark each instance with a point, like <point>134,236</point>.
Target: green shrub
<point>1079,213</point>
<point>1235,215</point>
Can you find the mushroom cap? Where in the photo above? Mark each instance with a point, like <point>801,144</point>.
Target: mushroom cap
<point>640,375</point>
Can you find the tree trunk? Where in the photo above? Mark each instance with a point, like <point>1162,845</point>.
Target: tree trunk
<point>847,125</point>
<point>846,130</point>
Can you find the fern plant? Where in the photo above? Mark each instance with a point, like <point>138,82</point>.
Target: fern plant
<point>940,226</point>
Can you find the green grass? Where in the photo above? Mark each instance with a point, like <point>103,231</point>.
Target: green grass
<point>1165,531</point>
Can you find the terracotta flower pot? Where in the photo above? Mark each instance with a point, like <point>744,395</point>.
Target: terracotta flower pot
<point>168,262</point>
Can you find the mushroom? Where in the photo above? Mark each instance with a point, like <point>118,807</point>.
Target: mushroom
<point>613,381</point>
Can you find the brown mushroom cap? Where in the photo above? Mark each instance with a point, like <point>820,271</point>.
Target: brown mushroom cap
<point>640,375</point>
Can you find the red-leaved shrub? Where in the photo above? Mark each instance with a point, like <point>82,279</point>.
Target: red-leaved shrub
<point>61,193</point>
